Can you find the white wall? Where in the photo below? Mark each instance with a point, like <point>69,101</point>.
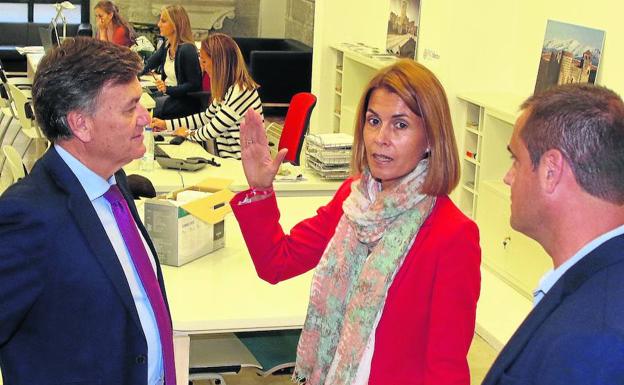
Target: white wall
<point>272,18</point>
<point>495,45</point>
<point>338,21</point>
<point>482,45</point>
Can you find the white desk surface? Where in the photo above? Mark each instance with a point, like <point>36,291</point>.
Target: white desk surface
<point>221,292</point>
<point>166,180</point>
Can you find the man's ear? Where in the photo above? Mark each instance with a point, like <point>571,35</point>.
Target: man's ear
<point>80,125</point>
<point>551,169</point>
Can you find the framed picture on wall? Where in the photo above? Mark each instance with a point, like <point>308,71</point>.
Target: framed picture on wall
<point>403,24</point>
<point>570,54</point>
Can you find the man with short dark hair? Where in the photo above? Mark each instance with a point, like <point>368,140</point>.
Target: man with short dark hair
<point>567,193</point>
<point>82,299</point>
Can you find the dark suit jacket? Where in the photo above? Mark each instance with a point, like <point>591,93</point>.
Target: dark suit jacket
<point>179,101</point>
<point>575,335</point>
<point>66,312</point>
<point>187,69</point>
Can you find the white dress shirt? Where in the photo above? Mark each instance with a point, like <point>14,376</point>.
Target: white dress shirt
<point>169,68</point>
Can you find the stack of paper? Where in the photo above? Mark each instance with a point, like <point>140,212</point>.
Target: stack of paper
<point>329,154</point>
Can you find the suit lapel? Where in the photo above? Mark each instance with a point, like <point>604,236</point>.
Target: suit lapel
<point>523,334</point>
<point>87,220</point>
<point>606,254</point>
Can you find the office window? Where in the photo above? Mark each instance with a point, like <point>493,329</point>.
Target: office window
<point>43,13</point>
<point>14,13</point>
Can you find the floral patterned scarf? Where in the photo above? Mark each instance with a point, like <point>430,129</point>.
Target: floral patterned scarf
<point>351,281</point>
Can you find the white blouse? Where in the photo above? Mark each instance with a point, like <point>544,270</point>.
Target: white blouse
<point>171,80</point>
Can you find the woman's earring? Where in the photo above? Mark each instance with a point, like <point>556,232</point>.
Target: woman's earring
<point>427,153</point>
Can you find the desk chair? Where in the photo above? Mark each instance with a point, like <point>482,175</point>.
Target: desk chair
<point>213,355</point>
<point>140,187</point>
<point>275,350</point>
<point>25,115</point>
<point>14,78</point>
<point>295,126</point>
<point>7,100</point>
<point>7,103</point>
<point>6,113</point>
<point>204,97</point>
<point>12,74</point>
<point>16,166</point>
<point>85,29</point>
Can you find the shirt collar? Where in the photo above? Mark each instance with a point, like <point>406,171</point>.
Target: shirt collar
<point>552,276</point>
<point>94,185</point>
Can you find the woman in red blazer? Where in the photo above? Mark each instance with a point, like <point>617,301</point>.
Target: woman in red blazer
<point>395,290</point>
<point>111,26</point>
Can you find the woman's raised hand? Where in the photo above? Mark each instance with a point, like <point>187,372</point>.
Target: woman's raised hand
<point>259,168</point>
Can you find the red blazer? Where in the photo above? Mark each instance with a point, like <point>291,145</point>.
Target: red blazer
<point>428,319</point>
<point>121,36</point>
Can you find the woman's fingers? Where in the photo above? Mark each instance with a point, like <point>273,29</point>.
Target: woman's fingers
<point>252,129</point>
<point>279,158</point>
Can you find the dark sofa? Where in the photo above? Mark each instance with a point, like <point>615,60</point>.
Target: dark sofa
<point>282,67</point>
<point>22,34</point>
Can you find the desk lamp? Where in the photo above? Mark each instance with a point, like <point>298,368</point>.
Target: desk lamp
<point>59,15</point>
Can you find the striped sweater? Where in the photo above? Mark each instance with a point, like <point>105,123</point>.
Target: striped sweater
<point>221,121</point>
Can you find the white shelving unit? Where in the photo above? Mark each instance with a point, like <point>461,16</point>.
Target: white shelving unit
<point>471,158</point>
<point>353,71</point>
<point>489,121</point>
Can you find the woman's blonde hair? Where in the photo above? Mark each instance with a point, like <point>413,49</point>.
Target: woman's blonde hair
<point>228,65</point>
<point>181,23</point>
<point>422,92</point>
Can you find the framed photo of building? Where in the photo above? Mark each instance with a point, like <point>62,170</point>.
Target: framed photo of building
<point>403,28</point>
<point>570,54</point>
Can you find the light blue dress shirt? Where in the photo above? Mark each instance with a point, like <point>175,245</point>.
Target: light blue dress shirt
<point>552,276</point>
<point>95,187</point>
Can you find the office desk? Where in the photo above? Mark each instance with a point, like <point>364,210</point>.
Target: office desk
<point>166,180</point>
<point>221,291</point>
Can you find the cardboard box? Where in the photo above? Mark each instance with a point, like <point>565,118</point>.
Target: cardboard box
<point>183,233</point>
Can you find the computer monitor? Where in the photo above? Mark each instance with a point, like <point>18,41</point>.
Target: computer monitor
<point>47,40</point>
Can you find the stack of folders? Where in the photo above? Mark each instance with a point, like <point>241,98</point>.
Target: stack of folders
<point>329,155</point>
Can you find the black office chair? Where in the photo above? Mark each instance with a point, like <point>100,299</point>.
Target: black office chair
<point>204,97</point>
<point>85,29</point>
<point>140,186</point>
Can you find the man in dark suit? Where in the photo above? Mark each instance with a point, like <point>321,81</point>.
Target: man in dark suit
<point>567,193</point>
<point>82,299</point>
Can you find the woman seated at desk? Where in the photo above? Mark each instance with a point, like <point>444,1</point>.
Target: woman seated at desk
<point>394,294</point>
<point>233,93</point>
<point>178,64</point>
<point>111,26</point>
